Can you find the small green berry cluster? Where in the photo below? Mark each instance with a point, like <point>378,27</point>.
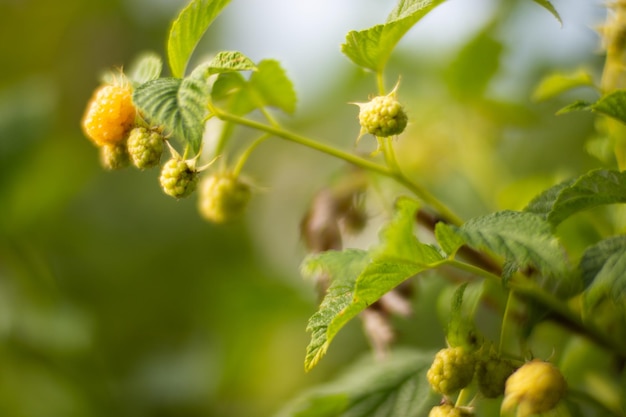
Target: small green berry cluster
<point>382,116</point>
<point>142,147</point>
<point>178,177</point>
<point>534,388</point>
<point>451,370</point>
<point>223,197</point>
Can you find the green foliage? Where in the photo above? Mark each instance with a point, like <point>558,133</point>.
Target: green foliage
<point>612,105</point>
<point>367,277</point>
<point>267,86</point>
<point>546,4</point>
<point>187,30</point>
<point>179,105</point>
<point>523,238</point>
<point>598,187</point>
<point>230,61</point>
<point>461,330</point>
<point>146,67</point>
<point>558,83</point>
<point>448,240</point>
<point>396,386</point>
<point>603,268</point>
<point>371,48</point>
<point>472,70</point>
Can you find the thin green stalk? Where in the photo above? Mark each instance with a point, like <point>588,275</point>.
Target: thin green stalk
<point>246,154</point>
<point>505,320</point>
<point>444,212</point>
<point>380,81</point>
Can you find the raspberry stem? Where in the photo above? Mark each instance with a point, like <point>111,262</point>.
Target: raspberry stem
<point>388,171</point>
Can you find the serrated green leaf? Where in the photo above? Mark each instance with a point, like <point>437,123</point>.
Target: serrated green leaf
<point>396,386</point>
<point>596,256</point>
<point>272,87</point>
<point>179,105</point>
<point>525,239</point>
<point>146,67</point>
<point>448,240</point>
<point>230,61</point>
<point>187,30</point>
<point>371,48</point>
<point>598,187</point>
<point>475,65</point>
<point>549,7</point>
<point>603,268</point>
<point>343,268</point>
<point>612,105</point>
<point>578,105</point>
<point>398,257</point>
<point>158,101</point>
<point>558,83</point>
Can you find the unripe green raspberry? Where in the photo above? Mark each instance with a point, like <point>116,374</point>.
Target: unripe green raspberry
<point>223,197</point>
<point>447,410</point>
<point>382,116</point>
<point>178,178</point>
<point>145,147</point>
<point>534,388</point>
<point>452,370</point>
<point>114,155</point>
<point>491,375</point>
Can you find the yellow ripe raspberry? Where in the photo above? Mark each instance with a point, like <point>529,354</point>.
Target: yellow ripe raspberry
<point>382,116</point>
<point>451,370</point>
<point>447,410</point>
<point>110,114</point>
<point>178,178</point>
<point>114,155</point>
<point>223,198</point>
<point>534,388</point>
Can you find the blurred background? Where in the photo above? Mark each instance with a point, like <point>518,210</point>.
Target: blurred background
<point>118,300</point>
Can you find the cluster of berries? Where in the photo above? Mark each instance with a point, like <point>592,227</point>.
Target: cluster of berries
<point>534,388</point>
<point>112,123</point>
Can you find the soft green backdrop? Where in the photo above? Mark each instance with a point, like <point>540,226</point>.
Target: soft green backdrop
<point>116,300</point>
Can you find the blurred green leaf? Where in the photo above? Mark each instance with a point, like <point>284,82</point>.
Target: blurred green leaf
<point>396,386</point>
<point>146,67</point>
<point>230,61</point>
<point>469,74</point>
<point>272,86</point>
<point>371,48</point>
<point>549,7</point>
<point>603,268</point>
<point>461,330</point>
<point>598,187</point>
<point>554,84</point>
<point>398,257</point>
<point>187,30</point>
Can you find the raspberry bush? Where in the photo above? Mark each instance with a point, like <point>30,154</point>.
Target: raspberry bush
<point>539,261</point>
